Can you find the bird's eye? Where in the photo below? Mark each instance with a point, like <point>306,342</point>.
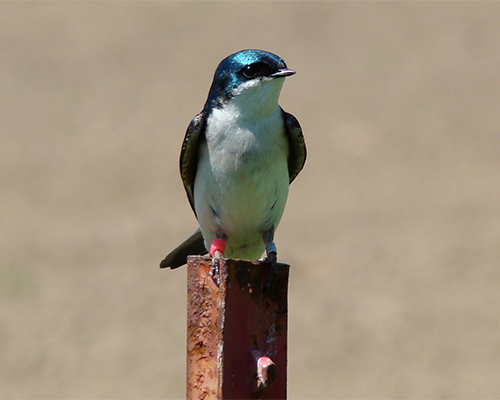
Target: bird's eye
<point>250,71</point>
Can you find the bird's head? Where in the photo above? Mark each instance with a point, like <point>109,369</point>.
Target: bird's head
<point>253,75</point>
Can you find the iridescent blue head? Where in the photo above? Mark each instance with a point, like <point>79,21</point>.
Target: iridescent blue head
<point>240,68</point>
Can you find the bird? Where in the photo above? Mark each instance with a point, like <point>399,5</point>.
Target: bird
<point>238,157</point>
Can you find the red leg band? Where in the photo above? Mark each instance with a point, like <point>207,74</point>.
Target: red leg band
<point>217,244</point>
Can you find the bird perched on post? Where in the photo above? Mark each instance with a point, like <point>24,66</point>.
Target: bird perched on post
<point>239,155</point>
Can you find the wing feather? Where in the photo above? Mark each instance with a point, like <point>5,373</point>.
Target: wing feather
<point>188,162</point>
<point>298,153</point>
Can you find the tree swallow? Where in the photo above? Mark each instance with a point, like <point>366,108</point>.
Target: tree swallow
<point>238,157</point>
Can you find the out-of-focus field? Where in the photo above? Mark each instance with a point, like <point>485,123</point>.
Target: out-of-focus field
<point>392,229</point>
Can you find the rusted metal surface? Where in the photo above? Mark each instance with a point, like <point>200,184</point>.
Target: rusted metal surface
<point>203,301</point>
<point>237,331</point>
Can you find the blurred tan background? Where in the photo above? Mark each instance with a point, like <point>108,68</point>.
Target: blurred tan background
<point>392,229</point>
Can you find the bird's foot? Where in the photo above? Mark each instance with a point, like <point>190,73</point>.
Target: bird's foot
<point>215,272</point>
<point>272,257</point>
<point>272,278</point>
<point>217,253</point>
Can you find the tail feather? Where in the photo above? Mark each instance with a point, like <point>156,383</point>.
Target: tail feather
<point>193,245</point>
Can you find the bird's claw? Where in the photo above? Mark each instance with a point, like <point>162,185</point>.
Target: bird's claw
<point>272,278</point>
<point>215,272</point>
<point>217,252</point>
<point>272,257</point>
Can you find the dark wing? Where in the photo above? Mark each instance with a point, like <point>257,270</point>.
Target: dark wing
<point>188,162</point>
<point>297,155</point>
<point>191,246</point>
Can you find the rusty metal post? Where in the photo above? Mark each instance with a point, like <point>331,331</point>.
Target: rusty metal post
<point>237,330</point>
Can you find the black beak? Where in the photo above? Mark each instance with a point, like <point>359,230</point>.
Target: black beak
<point>281,73</point>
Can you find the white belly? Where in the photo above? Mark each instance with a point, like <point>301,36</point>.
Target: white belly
<point>241,184</point>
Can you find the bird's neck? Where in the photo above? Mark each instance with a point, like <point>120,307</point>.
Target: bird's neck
<point>258,101</point>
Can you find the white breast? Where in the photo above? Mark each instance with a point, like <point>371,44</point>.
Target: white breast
<point>242,179</point>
